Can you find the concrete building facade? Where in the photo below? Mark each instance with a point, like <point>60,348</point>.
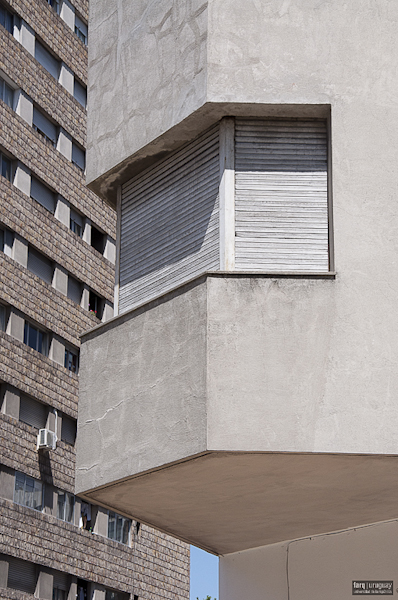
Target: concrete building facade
<point>250,151</point>
<point>57,263</point>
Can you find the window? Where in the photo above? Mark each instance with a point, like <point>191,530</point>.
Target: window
<point>80,93</point>
<point>95,304</point>
<point>65,506</point>
<point>39,265</point>
<point>76,223</point>
<point>112,595</point>
<point>5,165</point>
<point>119,528</point>
<point>6,93</point>
<point>72,360</point>
<point>85,516</point>
<point>2,317</point>
<point>74,289</point>
<point>59,594</point>
<point>6,19</point>
<point>42,194</point>
<point>97,240</point>
<point>54,5</point>
<point>6,241</point>
<point>78,156</point>
<point>68,430</point>
<point>81,29</point>
<point>44,126</point>
<point>32,412</point>
<point>28,491</point>
<point>35,338</point>
<point>47,60</point>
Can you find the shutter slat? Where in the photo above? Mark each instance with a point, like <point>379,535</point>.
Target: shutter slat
<point>281,195</point>
<point>21,575</point>
<point>169,227</point>
<point>42,194</point>
<point>40,265</point>
<point>32,412</point>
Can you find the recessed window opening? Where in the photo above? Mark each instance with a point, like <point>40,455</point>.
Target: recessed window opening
<point>65,506</point>
<point>6,19</point>
<point>6,93</point>
<point>54,5</point>
<point>5,166</point>
<point>44,127</point>
<point>76,223</point>
<point>35,338</point>
<point>119,528</point>
<point>72,360</point>
<point>3,312</point>
<point>80,29</point>
<point>97,240</point>
<point>28,491</point>
<point>95,304</point>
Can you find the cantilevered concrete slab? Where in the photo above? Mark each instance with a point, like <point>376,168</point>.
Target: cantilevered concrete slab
<point>224,412</point>
<point>228,502</point>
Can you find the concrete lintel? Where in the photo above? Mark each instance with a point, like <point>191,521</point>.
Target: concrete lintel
<point>205,117</point>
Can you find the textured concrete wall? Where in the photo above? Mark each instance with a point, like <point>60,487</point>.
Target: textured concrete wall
<point>145,404</point>
<point>147,71</point>
<point>312,568</point>
<point>264,53</point>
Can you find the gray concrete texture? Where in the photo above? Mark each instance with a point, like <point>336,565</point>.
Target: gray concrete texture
<point>242,364</point>
<point>159,72</point>
<point>318,567</point>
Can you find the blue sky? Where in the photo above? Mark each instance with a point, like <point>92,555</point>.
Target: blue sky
<point>204,574</point>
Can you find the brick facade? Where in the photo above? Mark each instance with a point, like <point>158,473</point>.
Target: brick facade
<point>156,566</point>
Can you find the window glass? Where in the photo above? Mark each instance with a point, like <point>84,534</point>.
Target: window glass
<point>2,317</point>
<point>5,167</point>
<point>34,338</point>
<point>71,361</point>
<point>54,4</point>
<point>65,507</point>
<point>28,491</point>
<point>6,19</point>
<point>118,528</point>
<point>6,93</point>
<point>76,228</point>
<point>80,29</point>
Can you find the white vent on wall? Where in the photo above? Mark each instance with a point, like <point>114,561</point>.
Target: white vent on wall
<point>46,440</point>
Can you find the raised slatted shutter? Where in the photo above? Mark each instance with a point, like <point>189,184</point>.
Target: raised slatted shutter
<point>68,430</point>
<point>281,197</point>
<point>22,575</point>
<point>47,60</point>
<point>74,289</point>
<point>61,581</point>
<point>169,226</point>
<point>32,412</point>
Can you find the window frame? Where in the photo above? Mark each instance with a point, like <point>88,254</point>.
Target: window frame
<point>69,352</point>
<point>4,159</point>
<point>62,507</point>
<point>5,87</point>
<point>114,535</point>
<point>44,340</point>
<point>26,479</point>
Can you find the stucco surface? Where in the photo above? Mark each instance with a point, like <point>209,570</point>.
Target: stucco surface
<point>312,568</point>
<point>166,67</point>
<point>142,390</point>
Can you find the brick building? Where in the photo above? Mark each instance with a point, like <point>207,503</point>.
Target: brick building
<point>57,274</point>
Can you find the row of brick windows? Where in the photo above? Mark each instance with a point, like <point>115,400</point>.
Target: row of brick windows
<point>67,507</point>
<point>10,168</point>
<point>51,273</point>
<point>52,63</point>
<point>45,126</point>
<point>28,577</point>
<point>80,26</point>
<point>44,342</point>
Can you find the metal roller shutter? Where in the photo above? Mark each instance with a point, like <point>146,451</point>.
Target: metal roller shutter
<point>22,575</point>
<point>32,412</point>
<point>281,195</point>
<point>169,225</point>
<point>44,125</point>
<point>68,430</point>
<point>40,265</point>
<point>74,289</point>
<point>42,194</point>
<point>47,60</point>
<point>61,581</point>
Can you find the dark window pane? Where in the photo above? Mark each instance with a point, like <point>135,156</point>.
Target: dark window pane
<point>32,338</point>
<point>26,333</point>
<point>126,530</point>
<point>6,168</point>
<point>40,342</point>
<point>111,526</point>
